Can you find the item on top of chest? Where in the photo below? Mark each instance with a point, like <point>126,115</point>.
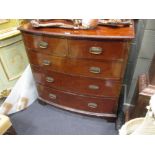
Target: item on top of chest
<point>68,24</point>
<point>84,24</point>
<point>115,22</point>
<point>89,23</point>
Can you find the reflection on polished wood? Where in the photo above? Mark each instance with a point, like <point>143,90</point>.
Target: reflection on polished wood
<point>106,88</point>
<point>108,69</point>
<point>101,32</point>
<point>104,105</point>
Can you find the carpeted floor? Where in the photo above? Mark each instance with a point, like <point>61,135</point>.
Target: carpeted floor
<point>48,120</point>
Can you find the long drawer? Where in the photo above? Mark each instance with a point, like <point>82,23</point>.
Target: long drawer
<point>97,49</point>
<point>75,84</point>
<point>48,45</point>
<point>91,104</point>
<point>94,69</point>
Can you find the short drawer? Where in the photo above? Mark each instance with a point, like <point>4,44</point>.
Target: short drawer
<point>48,45</point>
<point>91,104</point>
<point>93,69</point>
<point>101,49</point>
<point>75,84</point>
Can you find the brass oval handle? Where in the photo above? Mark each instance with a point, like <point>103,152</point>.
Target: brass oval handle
<point>52,96</point>
<point>49,79</point>
<point>95,50</point>
<point>46,62</point>
<point>95,70</point>
<point>92,105</point>
<point>43,44</point>
<point>93,87</point>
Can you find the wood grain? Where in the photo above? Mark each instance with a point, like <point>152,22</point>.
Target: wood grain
<point>76,84</point>
<point>104,105</point>
<point>108,69</point>
<point>111,50</point>
<point>57,47</point>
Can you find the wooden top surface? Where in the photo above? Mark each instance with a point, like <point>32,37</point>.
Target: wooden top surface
<point>101,32</point>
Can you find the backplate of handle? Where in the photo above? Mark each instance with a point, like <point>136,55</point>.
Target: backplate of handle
<point>95,70</point>
<point>52,96</point>
<point>49,79</point>
<point>93,87</point>
<point>43,44</point>
<point>95,50</point>
<point>46,62</point>
<point>92,105</point>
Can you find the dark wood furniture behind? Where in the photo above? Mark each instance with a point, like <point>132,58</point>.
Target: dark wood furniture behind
<point>79,70</point>
<point>144,90</point>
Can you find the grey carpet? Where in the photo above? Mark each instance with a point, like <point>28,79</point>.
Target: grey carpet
<point>48,120</point>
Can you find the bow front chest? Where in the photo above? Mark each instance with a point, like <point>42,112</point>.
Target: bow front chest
<point>79,70</point>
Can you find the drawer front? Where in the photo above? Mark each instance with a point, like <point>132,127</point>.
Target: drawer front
<point>75,84</point>
<point>48,45</point>
<point>91,104</point>
<point>94,69</point>
<point>106,50</point>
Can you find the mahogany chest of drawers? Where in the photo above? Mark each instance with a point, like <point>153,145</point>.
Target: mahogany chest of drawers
<point>79,70</point>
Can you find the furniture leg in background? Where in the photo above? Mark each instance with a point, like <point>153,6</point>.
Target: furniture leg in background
<point>144,90</point>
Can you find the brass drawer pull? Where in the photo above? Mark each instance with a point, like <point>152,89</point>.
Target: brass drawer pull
<point>46,62</point>
<point>95,50</point>
<point>93,87</point>
<point>49,79</point>
<point>92,105</point>
<point>95,70</point>
<point>52,96</point>
<point>43,44</point>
